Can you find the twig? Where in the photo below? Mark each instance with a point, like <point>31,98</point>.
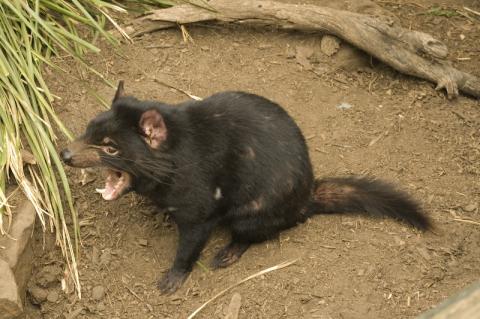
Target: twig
<point>277,267</point>
<point>320,150</point>
<point>112,21</point>
<point>194,97</point>
<point>370,85</point>
<point>186,36</point>
<point>133,293</point>
<point>472,11</point>
<point>468,221</point>
<point>159,46</point>
<point>342,146</point>
<point>327,247</point>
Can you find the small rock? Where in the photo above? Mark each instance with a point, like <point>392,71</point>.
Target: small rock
<point>290,52</point>
<point>329,45</point>
<point>106,257</point>
<point>101,306</point>
<point>361,272</point>
<point>470,207</point>
<point>264,46</point>
<point>129,29</point>
<point>98,292</point>
<point>53,296</point>
<point>143,242</point>
<point>37,294</point>
<point>399,241</point>
<point>95,256</point>
<point>10,301</point>
<point>48,276</point>
<point>344,106</point>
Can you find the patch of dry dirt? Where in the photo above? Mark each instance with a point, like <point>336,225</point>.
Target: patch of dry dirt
<point>398,128</point>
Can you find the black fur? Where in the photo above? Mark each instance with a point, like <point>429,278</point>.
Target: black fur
<point>235,159</point>
<point>364,194</point>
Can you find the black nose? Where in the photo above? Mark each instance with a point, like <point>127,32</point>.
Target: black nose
<point>66,156</point>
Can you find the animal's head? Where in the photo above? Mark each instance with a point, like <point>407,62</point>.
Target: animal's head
<point>129,140</point>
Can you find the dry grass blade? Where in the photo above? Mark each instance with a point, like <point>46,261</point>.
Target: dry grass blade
<point>31,32</point>
<point>468,221</point>
<point>193,97</point>
<point>273,268</point>
<point>472,11</point>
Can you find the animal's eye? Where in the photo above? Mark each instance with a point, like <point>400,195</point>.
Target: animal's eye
<point>110,150</point>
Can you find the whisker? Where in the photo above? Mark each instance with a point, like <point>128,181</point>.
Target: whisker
<point>152,173</point>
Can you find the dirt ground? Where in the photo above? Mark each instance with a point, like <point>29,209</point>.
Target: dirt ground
<point>397,128</point>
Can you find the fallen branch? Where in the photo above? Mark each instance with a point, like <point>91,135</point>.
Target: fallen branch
<point>410,52</point>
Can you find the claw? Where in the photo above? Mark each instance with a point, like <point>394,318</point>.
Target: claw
<point>172,280</point>
<point>228,255</point>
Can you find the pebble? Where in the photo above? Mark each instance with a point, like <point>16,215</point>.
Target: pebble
<point>101,306</point>
<point>106,257</point>
<point>53,296</point>
<point>95,256</point>
<point>38,295</point>
<point>48,276</point>
<point>98,292</point>
<point>470,207</point>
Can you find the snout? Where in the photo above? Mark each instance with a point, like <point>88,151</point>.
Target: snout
<point>80,154</point>
<point>66,156</point>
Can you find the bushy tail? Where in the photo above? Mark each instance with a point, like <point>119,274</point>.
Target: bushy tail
<point>363,194</point>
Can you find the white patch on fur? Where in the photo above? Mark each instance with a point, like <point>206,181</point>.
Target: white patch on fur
<point>218,193</point>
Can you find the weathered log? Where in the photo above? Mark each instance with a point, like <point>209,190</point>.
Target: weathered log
<point>464,305</point>
<point>411,52</point>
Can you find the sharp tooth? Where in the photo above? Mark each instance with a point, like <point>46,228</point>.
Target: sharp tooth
<point>100,190</point>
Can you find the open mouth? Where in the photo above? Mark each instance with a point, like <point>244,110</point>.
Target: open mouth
<point>117,183</point>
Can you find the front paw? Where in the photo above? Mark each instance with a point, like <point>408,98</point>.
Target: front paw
<point>171,281</point>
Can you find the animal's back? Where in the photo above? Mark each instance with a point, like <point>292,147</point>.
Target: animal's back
<point>256,158</point>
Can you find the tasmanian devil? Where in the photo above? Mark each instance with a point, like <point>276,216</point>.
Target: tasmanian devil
<point>235,159</point>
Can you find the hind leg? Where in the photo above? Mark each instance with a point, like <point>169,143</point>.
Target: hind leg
<point>229,254</point>
<point>248,230</point>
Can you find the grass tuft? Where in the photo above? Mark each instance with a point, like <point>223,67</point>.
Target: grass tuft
<point>31,32</point>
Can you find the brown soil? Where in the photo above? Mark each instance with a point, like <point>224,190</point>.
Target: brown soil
<point>398,128</point>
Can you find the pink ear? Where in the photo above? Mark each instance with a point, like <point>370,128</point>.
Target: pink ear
<point>153,127</point>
